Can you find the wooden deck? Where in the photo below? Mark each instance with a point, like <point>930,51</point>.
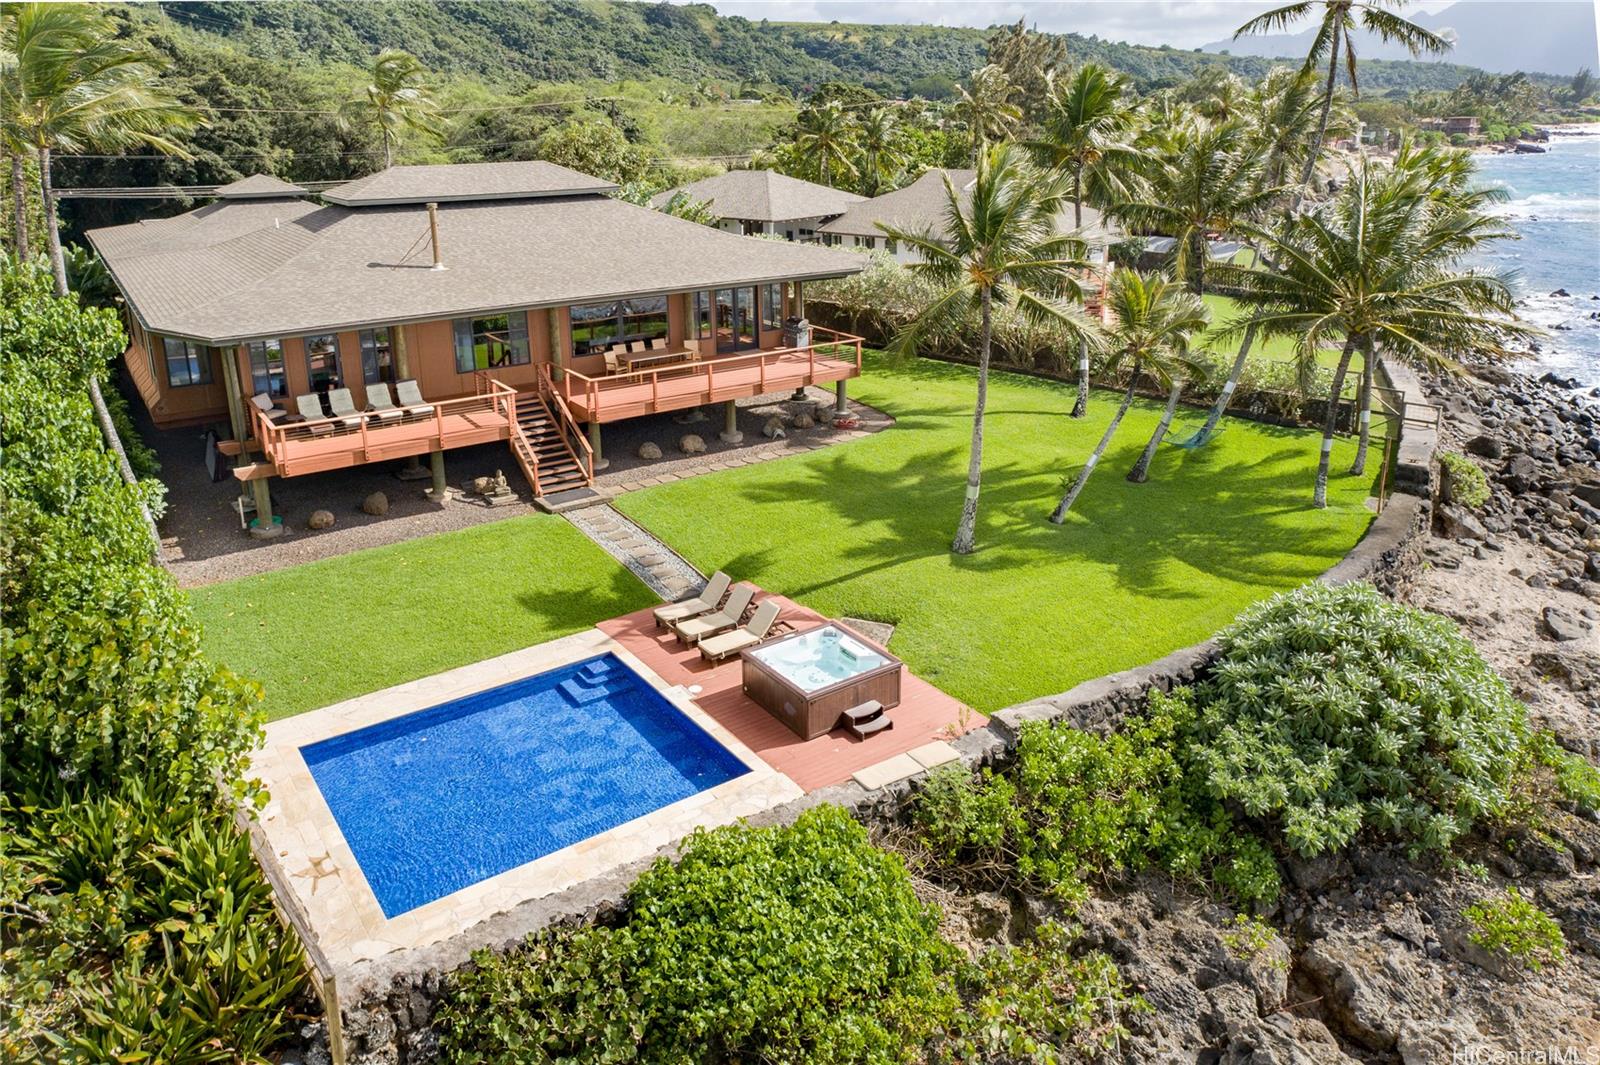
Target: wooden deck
<point>925,713</point>
<point>833,357</point>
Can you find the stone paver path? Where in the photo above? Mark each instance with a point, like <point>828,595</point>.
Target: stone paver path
<point>660,567</point>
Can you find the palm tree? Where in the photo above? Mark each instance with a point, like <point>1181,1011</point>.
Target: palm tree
<point>1089,129</point>
<point>1375,267</point>
<point>985,106</point>
<point>396,100</point>
<point>67,82</point>
<point>1338,23</point>
<point>825,141</point>
<point>1154,321</point>
<point>883,155</point>
<point>1002,248</point>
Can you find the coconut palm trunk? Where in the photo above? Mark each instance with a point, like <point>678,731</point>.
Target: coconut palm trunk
<point>1364,394</point>
<point>1080,406</point>
<point>1315,148</point>
<point>1330,422</point>
<point>19,207</point>
<point>1060,513</point>
<point>1226,395</point>
<point>1141,469</point>
<point>108,428</point>
<point>967,529</point>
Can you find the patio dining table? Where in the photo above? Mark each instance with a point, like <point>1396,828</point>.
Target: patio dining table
<point>649,359</point>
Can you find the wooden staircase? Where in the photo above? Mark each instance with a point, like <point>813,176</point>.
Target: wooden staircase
<point>542,450</point>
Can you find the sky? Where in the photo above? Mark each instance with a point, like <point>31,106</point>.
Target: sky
<point>1180,23</point>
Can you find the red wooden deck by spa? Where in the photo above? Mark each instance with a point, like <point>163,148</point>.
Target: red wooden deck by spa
<point>925,713</point>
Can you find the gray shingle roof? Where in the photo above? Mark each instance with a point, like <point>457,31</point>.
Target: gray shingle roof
<point>257,187</point>
<point>446,182</point>
<point>237,270</point>
<point>921,206</point>
<point>763,196</point>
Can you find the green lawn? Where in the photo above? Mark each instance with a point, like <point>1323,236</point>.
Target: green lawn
<point>329,630</point>
<point>1137,571</point>
<point>1281,349</point>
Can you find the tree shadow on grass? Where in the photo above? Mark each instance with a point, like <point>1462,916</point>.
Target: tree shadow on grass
<point>572,608</point>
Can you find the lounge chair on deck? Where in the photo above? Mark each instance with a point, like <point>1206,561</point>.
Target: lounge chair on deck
<point>613,363</point>
<point>310,407</point>
<point>709,599</point>
<point>411,398</point>
<point>343,405</point>
<point>752,632</point>
<point>692,630</point>
<point>379,403</point>
<point>270,410</point>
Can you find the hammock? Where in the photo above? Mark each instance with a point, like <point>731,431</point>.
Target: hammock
<point>1197,439</point>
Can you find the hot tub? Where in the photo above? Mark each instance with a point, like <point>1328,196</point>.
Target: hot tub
<point>809,678</point>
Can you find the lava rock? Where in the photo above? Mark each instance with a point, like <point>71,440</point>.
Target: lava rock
<point>804,421</point>
<point>376,504</point>
<point>1486,447</point>
<point>773,429</point>
<point>691,444</point>
<point>1561,626</point>
<point>649,450</point>
<point>1459,523</point>
<point>320,519</point>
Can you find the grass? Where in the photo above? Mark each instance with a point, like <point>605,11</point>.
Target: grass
<point>341,627</point>
<point>1136,572</point>
<point>1277,349</point>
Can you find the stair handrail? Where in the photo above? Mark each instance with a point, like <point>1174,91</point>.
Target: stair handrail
<point>526,457</point>
<point>583,454</point>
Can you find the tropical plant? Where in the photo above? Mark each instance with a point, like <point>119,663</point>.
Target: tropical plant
<point>1154,320</point>
<point>1001,247</point>
<point>395,100</point>
<point>883,155</point>
<point>1335,29</point>
<point>825,141</point>
<point>1376,267</point>
<point>1031,60</point>
<point>1088,132</point>
<point>1511,926</point>
<point>70,83</point>
<point>986,106</point>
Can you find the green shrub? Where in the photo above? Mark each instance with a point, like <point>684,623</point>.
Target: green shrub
<point>1075,806</point>
<point>778,944</point>
<point>1331,710</point>
<point>1512,926</point>
<point>1465,482</point>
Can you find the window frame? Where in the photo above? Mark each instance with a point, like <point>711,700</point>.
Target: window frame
<point>771,311</point>
<point>372,370</point>
<point>196,358</point>
<point>336,379</point>
<point>282,373</point>
<point>465,333</point>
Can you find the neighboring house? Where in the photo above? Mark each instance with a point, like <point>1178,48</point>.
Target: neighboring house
<point>1466,125</point>
<point>756,202</point>
<point>519,299</point>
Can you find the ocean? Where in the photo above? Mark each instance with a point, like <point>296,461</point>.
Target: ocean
<point>1554,203</point>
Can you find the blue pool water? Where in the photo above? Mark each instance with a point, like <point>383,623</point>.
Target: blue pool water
<point>438,800</point>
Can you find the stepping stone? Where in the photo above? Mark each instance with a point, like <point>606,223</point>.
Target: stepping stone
<point>935,753</point>
<point>887,772</point>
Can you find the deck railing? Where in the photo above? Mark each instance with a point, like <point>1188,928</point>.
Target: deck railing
<point>498,401</point>
<point>565,424</point>
<point>588,390</point>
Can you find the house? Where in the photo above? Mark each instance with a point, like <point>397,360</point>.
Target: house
<point>920,208</point>
<point>755,202</point>
<point>519,300</point>
<point>1465,125</point>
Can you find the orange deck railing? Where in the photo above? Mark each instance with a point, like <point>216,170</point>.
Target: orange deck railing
<point>589,394</point>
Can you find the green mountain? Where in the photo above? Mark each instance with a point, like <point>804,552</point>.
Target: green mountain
<point>603,40</point>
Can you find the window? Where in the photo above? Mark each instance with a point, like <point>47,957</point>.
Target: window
<point>702,315</point>
<point>377,357</point>
<point>772,306</point>
<point>597,326</point>
<point>266,367</point>
<point>893,246</point>
<point>322,362</point>
<point>188,363</point>
<point>489,343</point>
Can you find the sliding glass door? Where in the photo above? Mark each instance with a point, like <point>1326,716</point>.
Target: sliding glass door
<point>737,324</point>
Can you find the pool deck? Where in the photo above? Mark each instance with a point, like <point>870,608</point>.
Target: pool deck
<point>925,715</point>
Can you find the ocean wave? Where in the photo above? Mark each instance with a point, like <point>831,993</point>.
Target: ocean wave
<point>1552,207</point>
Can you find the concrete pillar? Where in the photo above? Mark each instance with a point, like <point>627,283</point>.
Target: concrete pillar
<point>730,423</point>
<point>440,492</point>
<point>264,526</point>
<point>838,399</point>
<point>600,460</point>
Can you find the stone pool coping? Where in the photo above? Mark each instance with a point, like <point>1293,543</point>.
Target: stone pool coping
<point>298,835</point>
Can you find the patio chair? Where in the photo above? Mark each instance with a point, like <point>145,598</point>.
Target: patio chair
<point>709,599</point>
<point>751,633</point>
<point>692,630</point>
<point>613,364</point>
<point>310,407</point>
<point>270,410</point>
<point>379,403</point>
<point>343,406</point>
<point>411,398</point>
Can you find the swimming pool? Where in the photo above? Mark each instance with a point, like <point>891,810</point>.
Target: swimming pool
<point>443,798</point>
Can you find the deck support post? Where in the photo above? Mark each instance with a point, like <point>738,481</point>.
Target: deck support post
<point>440,492</point>
<point>412,470</point>
<point>600,460</point>
<point>264,526</point>
<point>797,309</point>
<point>730,423</point>
<point>839,406</point>
<point>238,418</point>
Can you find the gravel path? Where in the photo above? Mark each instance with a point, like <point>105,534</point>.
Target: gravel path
<point>662,569</point>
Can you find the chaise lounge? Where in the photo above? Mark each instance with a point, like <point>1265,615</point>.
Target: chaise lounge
<point>343,405</point>
<point>380,405</point>
<point>692,630</point>
<point>709,599</point>
<point>751,633</point>
<point>310,407</point>
<point>269,410</point>
<point>411,398</point>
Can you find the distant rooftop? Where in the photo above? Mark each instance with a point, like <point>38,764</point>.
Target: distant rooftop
<point>447,182</point>
<point>921,207</point>
<point>259,187</point>
<point>763,196</point>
